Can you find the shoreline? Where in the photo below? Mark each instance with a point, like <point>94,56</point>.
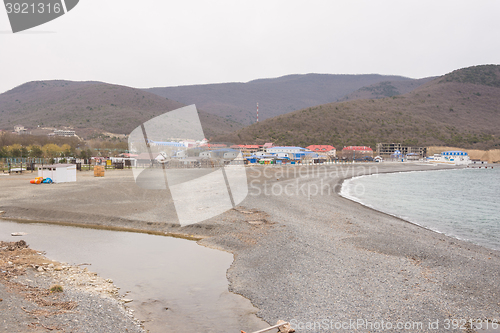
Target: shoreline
<point>355,200</point>
<point>398,241</point>
<point>389,214</point>
<point>105,227</point>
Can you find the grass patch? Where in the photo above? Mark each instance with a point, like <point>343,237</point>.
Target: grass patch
<point>56,289</point>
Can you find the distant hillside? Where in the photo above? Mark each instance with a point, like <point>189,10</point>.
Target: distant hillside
<point>487,75</point>
<point>237,101</point>
<point>386,89</point>
<point>90,106</point>
<point>458,109</point>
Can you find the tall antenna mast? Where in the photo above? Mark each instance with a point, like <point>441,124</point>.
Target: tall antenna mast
<point>257,112</point>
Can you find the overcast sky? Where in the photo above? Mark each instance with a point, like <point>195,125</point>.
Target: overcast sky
<point>147,43</point>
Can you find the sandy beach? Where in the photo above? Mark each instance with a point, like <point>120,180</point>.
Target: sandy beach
<point>303,253</point>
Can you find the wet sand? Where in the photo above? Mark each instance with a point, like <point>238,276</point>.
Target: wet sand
<point>305,256</point>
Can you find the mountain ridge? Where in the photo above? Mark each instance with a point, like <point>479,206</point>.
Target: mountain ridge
<point>443,111</point>
<point>88,106</point>
<point>276,96</point>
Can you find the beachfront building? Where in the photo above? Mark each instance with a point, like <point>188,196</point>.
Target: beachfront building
<point>285,149</point>
<point>357,152</point>
<point>189,143</point>
<point>148,159</point>
<point>328,152</point>
<point>292,153</point>
<point>247,150</point>
<point>455,157</point>
<point>169,144</point>
<point>227,154</point>
<point>126,161</point>
<point>215,145</point>
<point>385,150</point>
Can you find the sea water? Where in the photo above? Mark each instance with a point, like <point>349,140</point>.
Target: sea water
<point>462,203</point>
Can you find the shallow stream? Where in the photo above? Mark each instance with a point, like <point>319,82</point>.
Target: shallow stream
<point>176,285</point>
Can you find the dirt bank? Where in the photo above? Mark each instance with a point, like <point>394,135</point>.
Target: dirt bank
<point>40,295</point>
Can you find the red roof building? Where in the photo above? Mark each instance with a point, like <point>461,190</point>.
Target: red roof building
<point>355,152</point>
<point>247,148</point>
<point>216,145</point>
<point>128,155</point>
<point>268,145</point>
<point>321,148</point>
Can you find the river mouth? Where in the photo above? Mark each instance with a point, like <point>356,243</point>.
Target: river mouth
<point>176,285</point>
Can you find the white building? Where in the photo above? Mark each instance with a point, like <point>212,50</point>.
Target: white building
<point>226,154</point>
<point>19,129</point>
<point>456,157</point>
<point>59,173</point>
<point>127,161</point>
<point>67,133</point>
<point>293,150</point>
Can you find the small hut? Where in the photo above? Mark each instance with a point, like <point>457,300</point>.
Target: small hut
<point>59,173</point>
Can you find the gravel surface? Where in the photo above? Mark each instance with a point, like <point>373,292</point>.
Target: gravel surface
<point>315,259</point>
<point>86,302</point>
<point>331,261</point>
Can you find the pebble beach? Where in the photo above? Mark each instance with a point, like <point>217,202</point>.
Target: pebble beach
<point>303,253</point>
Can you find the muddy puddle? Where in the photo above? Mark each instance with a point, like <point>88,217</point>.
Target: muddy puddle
<point>176,285</point>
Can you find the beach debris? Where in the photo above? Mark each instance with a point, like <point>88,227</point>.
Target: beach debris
<point>285,327</point>
<point>281,325</point>
<point>17,245</point>
<point>127,300</point>
<point>18,234</point>
<point>257,222</point>
<point>41,180</point>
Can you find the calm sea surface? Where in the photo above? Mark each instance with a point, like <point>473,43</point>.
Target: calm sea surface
<point>461,203</point>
